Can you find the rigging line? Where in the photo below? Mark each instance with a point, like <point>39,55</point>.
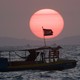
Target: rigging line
<point>21,56</point>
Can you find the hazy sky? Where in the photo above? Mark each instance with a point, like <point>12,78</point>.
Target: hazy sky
<point>15,16</point>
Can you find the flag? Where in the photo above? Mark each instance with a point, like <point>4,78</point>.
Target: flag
<point>47,32</point>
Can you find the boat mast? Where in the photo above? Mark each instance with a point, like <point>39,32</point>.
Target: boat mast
<point>44,38</point>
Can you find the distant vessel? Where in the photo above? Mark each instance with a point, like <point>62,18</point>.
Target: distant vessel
<point>48,60</point>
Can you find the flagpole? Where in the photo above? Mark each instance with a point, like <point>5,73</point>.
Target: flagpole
<point>44,38</point>
<point>44,41</point>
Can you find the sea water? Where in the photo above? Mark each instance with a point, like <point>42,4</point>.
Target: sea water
<point>68,52</point>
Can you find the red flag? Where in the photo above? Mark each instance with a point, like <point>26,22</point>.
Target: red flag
<point>48,32</point>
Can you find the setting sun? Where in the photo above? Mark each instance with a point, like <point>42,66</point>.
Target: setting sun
<point>48,19</point>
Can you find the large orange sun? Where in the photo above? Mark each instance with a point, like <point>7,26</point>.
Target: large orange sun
<point>48,19</point>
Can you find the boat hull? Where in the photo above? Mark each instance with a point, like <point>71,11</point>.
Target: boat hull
<point>22,65</point>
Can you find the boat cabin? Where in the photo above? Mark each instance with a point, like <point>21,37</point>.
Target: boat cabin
<point>42,54</point>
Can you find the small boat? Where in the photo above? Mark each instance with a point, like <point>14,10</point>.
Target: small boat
<point>43,58</point>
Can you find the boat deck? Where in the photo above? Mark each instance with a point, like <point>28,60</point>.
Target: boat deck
<point>57,65</point>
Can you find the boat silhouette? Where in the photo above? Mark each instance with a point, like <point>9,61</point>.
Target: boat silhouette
<point>42,58</point>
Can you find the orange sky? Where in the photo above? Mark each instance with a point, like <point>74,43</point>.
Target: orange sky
<point>15,16</point>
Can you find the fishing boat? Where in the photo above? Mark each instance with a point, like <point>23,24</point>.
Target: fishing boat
<point>42,58</point>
